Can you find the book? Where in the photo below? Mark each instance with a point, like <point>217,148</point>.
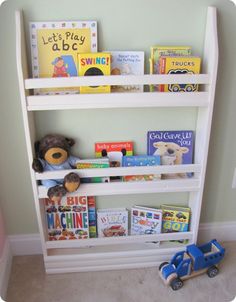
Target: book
<point>127,63</point>
<point>95,163</point>
<point>114,151</point>
<point>175,219</point>
<point>158,51</point>
<point>67,218</point>
<point>55,47</point>
<point>145,220</point>
<point>141,161</point>
<point>92,64</point>
<point>112,222</point>
<point>173,147</point>
<point>92,217</point>
<point>179,65</point>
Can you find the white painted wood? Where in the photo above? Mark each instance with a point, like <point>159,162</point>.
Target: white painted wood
<point>120,171</point>
<point>131,251</point>
<point>117,100</point>
<point>121,188</point>
<point>117,80</point>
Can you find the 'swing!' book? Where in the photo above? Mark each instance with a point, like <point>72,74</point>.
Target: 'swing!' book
<point>174,148</point>
<point>178,66</point>
<point>94,64</point>
<point>55,47</point>
<point>67,218</point>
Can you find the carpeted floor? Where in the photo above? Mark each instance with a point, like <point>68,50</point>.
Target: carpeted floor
<point>29,283</point>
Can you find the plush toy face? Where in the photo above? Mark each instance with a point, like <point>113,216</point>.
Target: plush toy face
<point>56,156</point>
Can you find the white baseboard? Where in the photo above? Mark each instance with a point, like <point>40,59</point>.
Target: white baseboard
<point>5,269</point>
<point>222,231</point>
<point>31,245</point>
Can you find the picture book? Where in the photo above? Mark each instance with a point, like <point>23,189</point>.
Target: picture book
<point>114,151</point>
<point>92,64</point>
<point>173,147</point>
<point>95,163</point>
<point>141,161</point>
<point>175,219</point>
<point>145,220</point>
<point>55,47</point>
<point>179,65</point>
<point>67,218</point>
<point>127,63</point>
<point>158,51</point>
<point>112,222</point>
<point>92,217</point>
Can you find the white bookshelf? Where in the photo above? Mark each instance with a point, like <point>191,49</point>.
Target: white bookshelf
<point>131,251</point>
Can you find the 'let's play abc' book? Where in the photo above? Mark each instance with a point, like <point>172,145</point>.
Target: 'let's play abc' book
<point>55,47</point>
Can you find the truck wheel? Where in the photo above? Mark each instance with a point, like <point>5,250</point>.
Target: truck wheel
<point>162,264</point>
<point>212,271</point>
<point>176,284</point>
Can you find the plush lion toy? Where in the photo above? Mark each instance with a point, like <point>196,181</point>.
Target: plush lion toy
<point>53,154</point>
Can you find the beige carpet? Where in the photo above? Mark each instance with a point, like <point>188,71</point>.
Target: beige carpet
<point>29,283</point>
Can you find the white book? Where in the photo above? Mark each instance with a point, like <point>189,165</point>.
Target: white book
<point>127,63</point>
<point>145,220</point>
<point>112,222</point>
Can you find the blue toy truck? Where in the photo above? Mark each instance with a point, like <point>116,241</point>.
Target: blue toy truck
<point>193,261</point>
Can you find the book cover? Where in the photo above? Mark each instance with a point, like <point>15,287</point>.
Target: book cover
<point>67,218</point>
<point>141,161</point>
<point>179,65</point>
<point>175,219</point>
<point>94,64</point>
<point>145,220</point>
<point>127,63</point>
<point>55,47</point>
<point>114,151</point>
<point>173,147</point>
<point>95,163</point>
<point>158,51</point>
<point>112,222</point>
<point>92,217</point>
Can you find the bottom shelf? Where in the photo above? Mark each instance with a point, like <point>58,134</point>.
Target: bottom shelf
<point>110,257</point>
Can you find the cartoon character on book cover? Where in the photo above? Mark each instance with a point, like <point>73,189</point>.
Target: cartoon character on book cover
<point>55,47</point>
<point>67,218</point>
<point>174,148</point>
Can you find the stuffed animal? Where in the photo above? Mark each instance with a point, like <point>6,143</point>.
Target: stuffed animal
<point>53,154</point>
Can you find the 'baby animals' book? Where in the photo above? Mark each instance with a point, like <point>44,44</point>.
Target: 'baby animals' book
<point>55,47</point>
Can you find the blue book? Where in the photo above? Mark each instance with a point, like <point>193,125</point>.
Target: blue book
<point>173,147</point>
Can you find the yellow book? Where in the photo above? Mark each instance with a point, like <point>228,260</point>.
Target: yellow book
<point>179,65</point>
<point>92,64</point>
<point>55,47</point>
<point>157,51</point>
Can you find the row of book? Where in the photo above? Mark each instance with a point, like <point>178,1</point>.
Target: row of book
<point>163,148</point>
<point>70,49</point>
<point>76,217</point>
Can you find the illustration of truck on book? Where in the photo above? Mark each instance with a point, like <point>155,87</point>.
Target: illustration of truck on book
<point>191,262</point>
<point>182,87</point>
